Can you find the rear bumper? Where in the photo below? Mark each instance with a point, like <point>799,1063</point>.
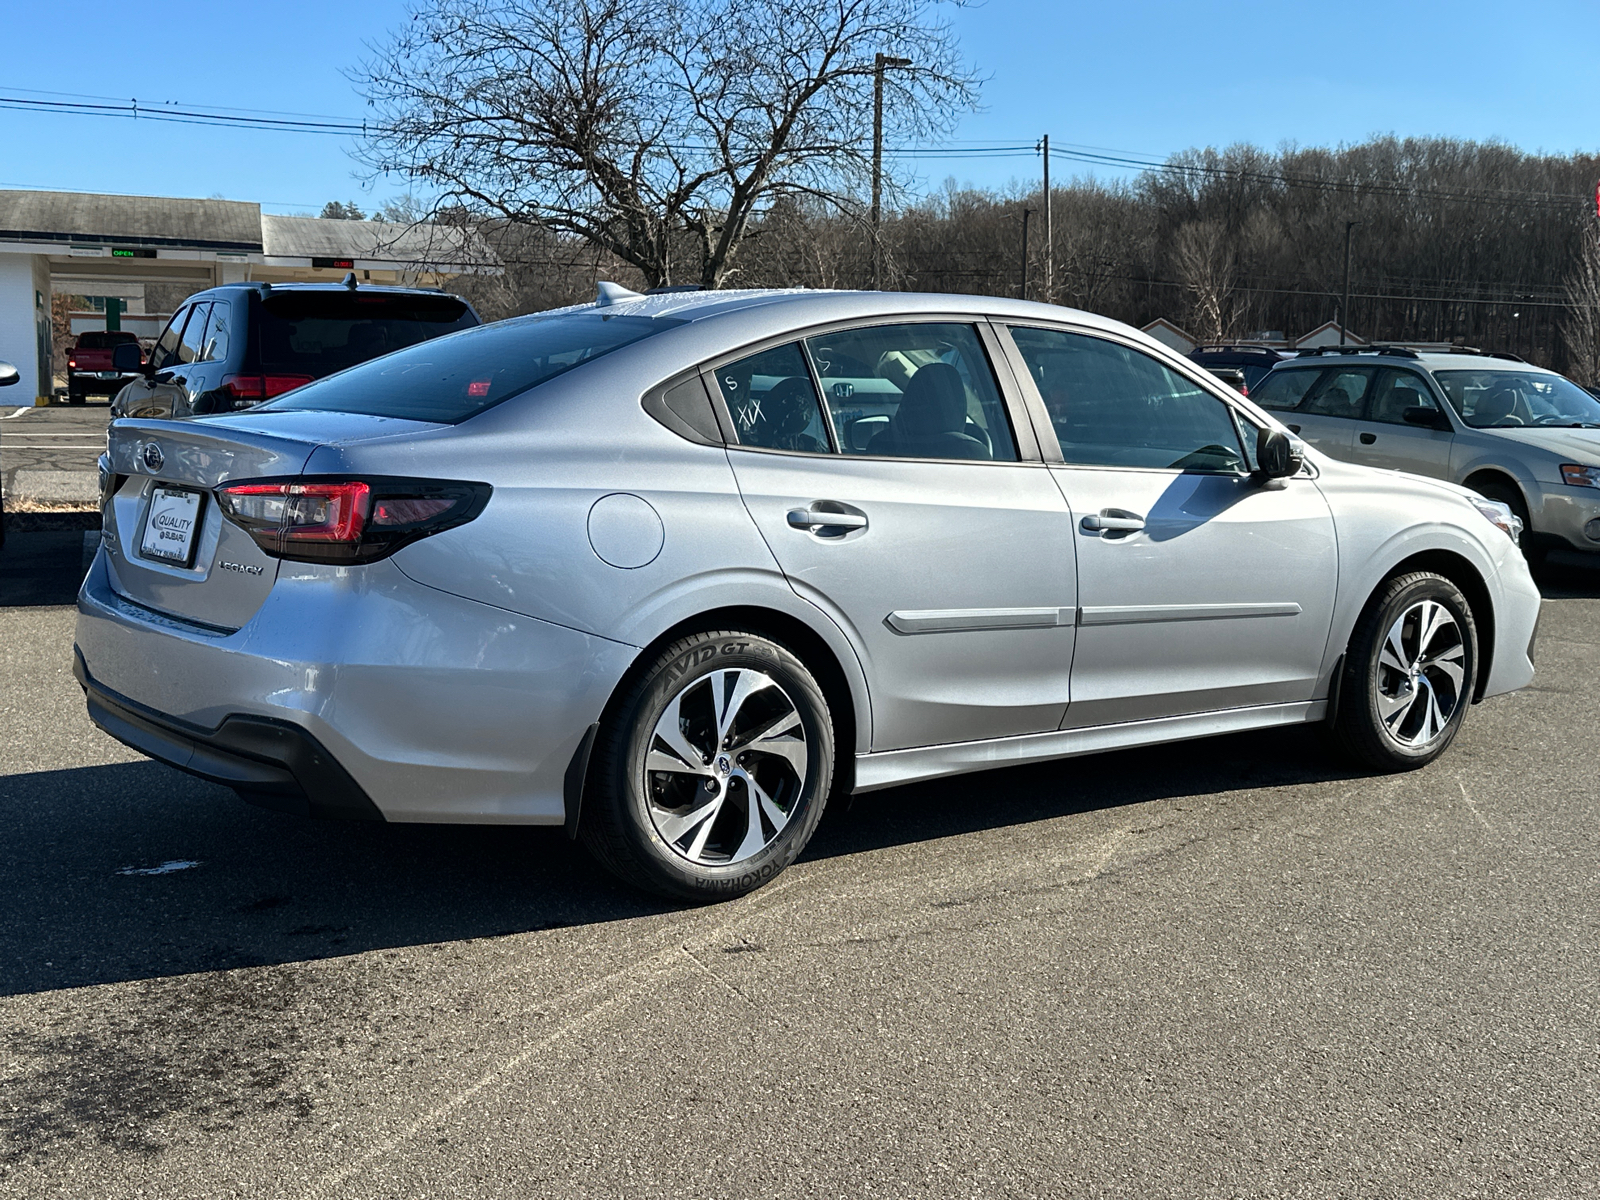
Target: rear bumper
<point>437,708</point>
<point>268,762</point>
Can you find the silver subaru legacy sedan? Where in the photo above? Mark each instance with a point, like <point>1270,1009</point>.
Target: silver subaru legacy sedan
<point>673,570</point>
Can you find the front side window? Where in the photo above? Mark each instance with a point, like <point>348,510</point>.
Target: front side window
<point>166,350</point>
<point>450,379</point>
<point>1506,399</point>
<point>193,333</point>
<point>912,391</point>
<point>773,402</point>
<point>1396,392</point>
<point>1113,406</point>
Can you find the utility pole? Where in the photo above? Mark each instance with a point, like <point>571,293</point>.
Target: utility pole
<point>1022,283</point>
<point>1344,310</point>
<point>878,64</point>
<point>1049,230</point>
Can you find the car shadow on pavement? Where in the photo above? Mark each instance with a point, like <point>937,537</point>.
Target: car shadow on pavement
<point>41,567</point>
<point>1567,575</point>
<point>1208,767</point>
<point>134,870</point>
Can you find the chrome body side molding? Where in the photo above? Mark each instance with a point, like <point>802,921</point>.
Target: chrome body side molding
<point>1139,614</point>
<point>941,620</point>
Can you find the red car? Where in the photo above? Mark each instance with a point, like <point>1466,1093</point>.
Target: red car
<point>89,369</point>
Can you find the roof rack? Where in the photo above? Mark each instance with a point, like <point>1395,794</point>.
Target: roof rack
<point>1270,349</point>
<point>1390,351</point>
<point>675,287</point>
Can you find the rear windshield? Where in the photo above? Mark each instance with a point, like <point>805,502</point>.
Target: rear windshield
<point>451,380</point>
<point>318,333</point>
<point>98,340</point>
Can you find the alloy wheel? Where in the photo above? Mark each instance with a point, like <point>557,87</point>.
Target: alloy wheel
<point>1421,673</point>
<point>726,766</point>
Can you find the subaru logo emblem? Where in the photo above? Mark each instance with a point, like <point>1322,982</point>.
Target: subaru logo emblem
<point>723,765</point>
<point>153,457</point>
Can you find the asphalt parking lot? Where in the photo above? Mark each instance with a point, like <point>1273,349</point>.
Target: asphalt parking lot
<point>47,455</point>
<point>1227,968</point>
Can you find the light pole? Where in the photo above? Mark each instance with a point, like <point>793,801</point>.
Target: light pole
<point>1344,309</point>
<point>1022,283</point>
<point>878,65</point>
<point>1049,229</point>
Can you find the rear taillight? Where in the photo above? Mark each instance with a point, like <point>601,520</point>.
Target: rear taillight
<point>72,364</point>
<point>347,520</point>
<point>252,389</point>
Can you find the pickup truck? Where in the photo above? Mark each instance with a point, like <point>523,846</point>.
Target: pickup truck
<point>89,367</point>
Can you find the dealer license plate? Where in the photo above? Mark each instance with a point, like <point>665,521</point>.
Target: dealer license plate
<point>171,526</point>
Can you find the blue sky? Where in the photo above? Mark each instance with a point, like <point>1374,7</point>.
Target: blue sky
<point>1149,78</point>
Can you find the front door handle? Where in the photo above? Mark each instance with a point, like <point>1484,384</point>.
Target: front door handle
<point>1368,438</point>
<point>1113,520</point>
<point>814,519</point>
<point>1294,429</point>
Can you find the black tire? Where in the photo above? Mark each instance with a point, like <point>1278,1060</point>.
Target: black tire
<point>1533,547</point>
<point>1370,689</point>
<point>632,817</point>
<point>74,396</point>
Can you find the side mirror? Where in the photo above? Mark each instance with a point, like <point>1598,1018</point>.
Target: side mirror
<point>9,375</point>
<point>1278,455</point>
<point>1428,418</point>
<point>127,358</point>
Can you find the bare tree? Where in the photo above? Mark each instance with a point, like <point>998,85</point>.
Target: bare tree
<point>653,129</point>
<point>1203,255</point>
<point>1580,325</point>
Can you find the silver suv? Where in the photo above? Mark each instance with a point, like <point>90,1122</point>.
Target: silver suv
<point>1508,430</point>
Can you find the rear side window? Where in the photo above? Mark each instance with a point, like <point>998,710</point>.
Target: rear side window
<point>912,391</point>
<point>1283,390</point>
<point>219,333</point>
<point>1114,406</point>
<point>189,343</point>
<point>97,339</point>
<point>1340,393</point>
<point>455,378</point>
<point>773,402</point>
<point>318,333</point>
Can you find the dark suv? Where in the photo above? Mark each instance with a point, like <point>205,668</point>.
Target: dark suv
<point>237,345</point>
<point>1254,361</point>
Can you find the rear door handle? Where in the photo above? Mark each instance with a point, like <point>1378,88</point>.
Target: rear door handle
<point>1113,520</point>
<point>813,519</point>
<point>1368,438</point>
<point>1294,429</point>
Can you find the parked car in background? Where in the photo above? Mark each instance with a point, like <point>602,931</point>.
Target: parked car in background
<point>235,346</point>
<point>90,370</point>
<point>1509,430</point>
<point>1253,361</point>
<point>670,570</point>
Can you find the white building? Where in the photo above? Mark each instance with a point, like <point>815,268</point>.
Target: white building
<point>111,245</point>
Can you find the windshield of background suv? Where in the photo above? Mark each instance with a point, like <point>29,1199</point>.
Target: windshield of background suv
<point>454,378</point>
<point>318,333</point>
<point>1508,399</point>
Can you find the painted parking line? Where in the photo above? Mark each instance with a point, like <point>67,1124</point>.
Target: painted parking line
<point>21,412</point>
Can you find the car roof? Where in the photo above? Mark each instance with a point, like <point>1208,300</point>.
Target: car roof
<point>271,289</point>
<point>792,308</point>
<point>1429,360</point>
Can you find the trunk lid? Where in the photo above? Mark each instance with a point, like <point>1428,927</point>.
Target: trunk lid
<point>172,468</point>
